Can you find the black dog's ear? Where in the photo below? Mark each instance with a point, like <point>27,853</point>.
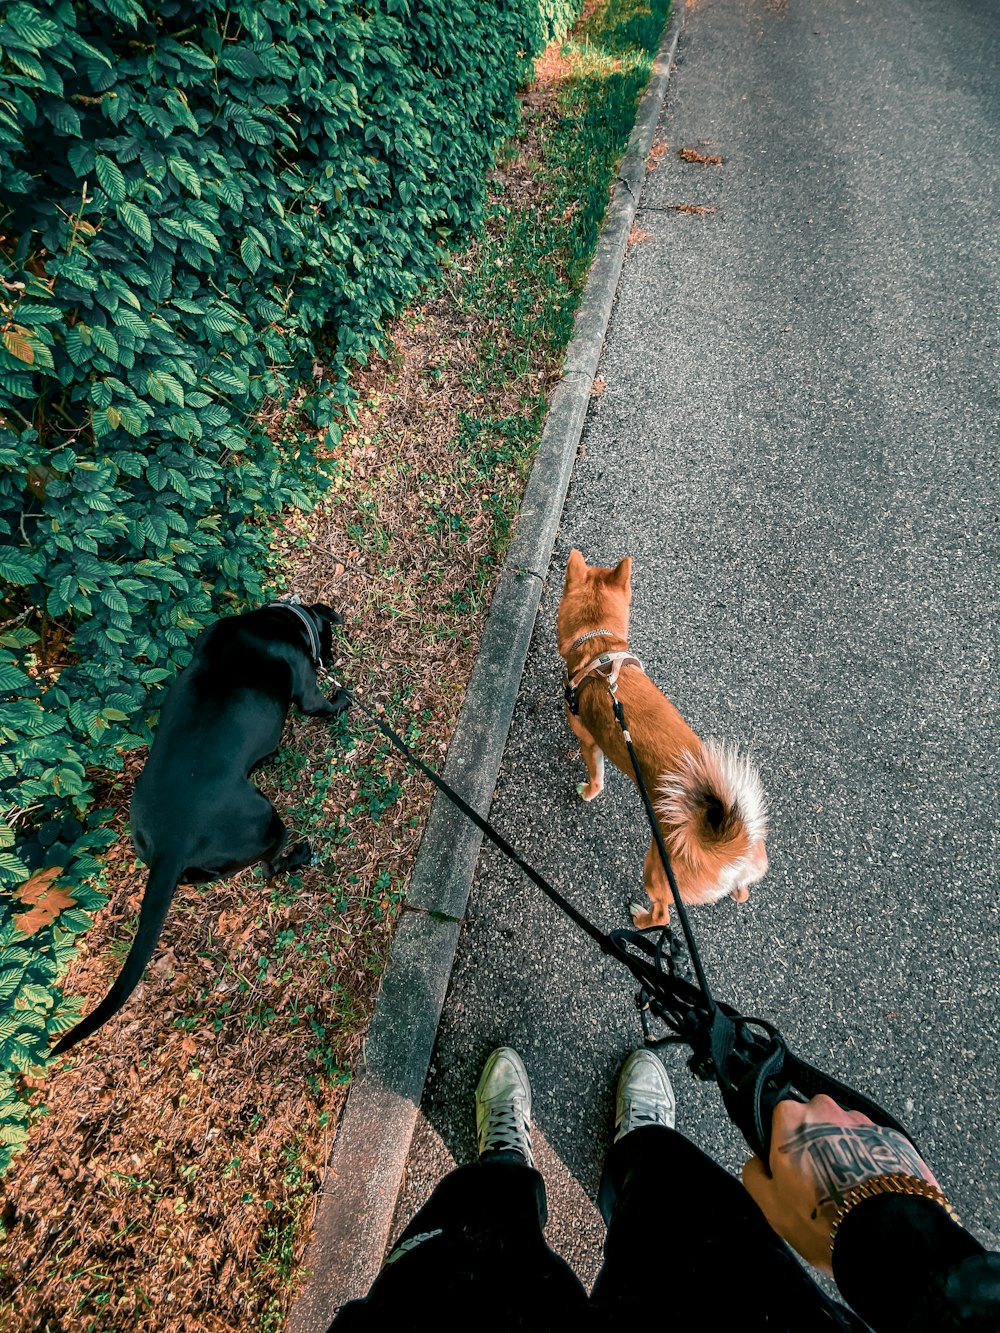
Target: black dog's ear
<point>327,613</point>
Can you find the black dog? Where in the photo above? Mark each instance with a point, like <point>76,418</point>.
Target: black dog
<point>195,815</point>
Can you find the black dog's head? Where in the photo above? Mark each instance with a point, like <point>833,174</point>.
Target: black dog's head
<point>324,618</point>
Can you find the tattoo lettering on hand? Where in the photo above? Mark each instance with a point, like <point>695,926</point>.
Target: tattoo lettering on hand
<point>842,1157</point>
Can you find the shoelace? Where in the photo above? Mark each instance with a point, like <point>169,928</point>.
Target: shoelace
<point>638,1113</point>
<point>506,1129</point>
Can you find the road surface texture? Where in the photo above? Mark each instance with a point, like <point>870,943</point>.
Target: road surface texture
<point>797,445</point>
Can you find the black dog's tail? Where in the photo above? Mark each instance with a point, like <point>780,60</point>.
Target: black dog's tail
<point>160,889</point>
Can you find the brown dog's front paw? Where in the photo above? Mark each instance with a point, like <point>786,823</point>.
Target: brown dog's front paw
<point>646,920</point>
<point>740,895</point>
<point>589,790</point>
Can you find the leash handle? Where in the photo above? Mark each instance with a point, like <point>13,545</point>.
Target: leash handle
<point>756,1070</point>
<point>747,1057</point>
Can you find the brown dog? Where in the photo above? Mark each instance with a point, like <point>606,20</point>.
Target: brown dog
<point>708,798</point>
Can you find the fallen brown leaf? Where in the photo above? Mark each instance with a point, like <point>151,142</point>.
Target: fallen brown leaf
<point>656,154</point>
<point>692,155</point>
<point>45,900</point>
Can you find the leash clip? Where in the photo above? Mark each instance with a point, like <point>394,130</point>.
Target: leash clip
<point>606,660</point>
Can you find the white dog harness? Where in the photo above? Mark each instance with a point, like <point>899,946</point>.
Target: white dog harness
<point>608,665</point>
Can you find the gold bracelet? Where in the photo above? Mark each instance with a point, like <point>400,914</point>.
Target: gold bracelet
<point>896,1182</point>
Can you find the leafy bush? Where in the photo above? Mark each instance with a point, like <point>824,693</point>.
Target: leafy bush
<point>197,200</point>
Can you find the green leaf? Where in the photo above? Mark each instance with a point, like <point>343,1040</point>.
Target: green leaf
<point>132,422</point>
<point>64,118</point>
<point>30,66</point>
<point>196,232</point>
<point>128,319</point>
<point>186,174</point>
<point>220,322</point>
<point>64,1018</point>
<point>112,182</point>
<point>17,1055</point>
<point>18,567</point>
<point>250,252</point>
<point>105,341</point>
<point>174,390</point>
<point>136,221</point>
<point>81,158</point>
<point>177,105</point>
<point>11,679</point>
<point>12,868</point>
<point>30,314</point>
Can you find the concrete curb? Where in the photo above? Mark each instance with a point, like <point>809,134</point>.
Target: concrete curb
<point>356,1202</point>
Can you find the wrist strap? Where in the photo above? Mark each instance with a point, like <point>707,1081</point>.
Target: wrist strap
<point>896,1182</point>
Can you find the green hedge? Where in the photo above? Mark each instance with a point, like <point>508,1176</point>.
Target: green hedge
<point>197,200</point>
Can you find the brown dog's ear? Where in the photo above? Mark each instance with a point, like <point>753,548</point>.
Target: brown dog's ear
<point>622,574</point>
<point>576,566</point>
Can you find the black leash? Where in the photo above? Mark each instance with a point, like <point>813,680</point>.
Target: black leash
<point>748,1057</point>
<point>654,824</point>
<point>605,941</point>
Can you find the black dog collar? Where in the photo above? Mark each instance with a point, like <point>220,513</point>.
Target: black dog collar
<point>315,649</point>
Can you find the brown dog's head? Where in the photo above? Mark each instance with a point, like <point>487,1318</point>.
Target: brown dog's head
<point>593,598</point>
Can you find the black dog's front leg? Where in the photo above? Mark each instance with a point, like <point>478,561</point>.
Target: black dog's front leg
<point>314,703</point>
<point>296,858</point>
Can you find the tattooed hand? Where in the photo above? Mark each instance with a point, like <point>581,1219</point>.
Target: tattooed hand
<point>818,1153</point>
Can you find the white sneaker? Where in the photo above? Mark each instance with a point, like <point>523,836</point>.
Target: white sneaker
<point>503,1106</point>
<point>645,1096</point>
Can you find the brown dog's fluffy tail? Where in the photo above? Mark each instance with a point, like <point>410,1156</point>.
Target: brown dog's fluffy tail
<point>713,806</point>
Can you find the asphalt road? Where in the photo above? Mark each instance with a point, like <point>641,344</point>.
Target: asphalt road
<point>797,445</point>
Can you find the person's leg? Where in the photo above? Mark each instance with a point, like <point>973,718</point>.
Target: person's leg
<point>475,1254</point>
<point>510,1197</point>
<point>661,1195</point>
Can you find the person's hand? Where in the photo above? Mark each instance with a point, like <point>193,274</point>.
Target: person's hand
<point>818,1152</point>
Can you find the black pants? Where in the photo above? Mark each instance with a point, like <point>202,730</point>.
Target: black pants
<point>685,1242</point>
